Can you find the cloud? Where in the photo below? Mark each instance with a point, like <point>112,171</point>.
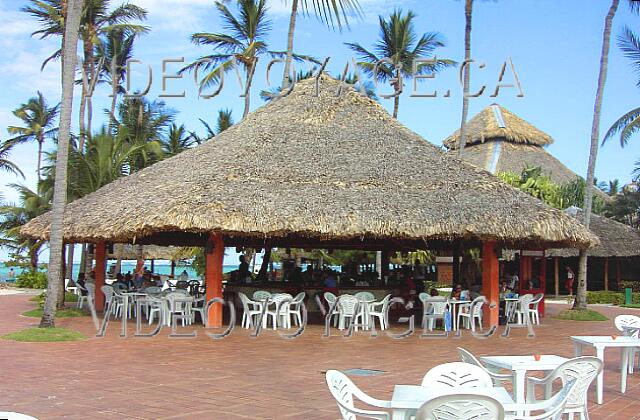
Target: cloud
<point>176,15</point>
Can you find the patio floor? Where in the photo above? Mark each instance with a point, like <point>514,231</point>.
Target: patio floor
<point>242,377</point>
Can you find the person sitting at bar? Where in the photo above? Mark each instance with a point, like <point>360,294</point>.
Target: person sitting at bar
<point>434,292</point>
<point>504,288</point>
<point>119,280</point>
<point>82,282</point>
<point>243,270</point>
<point>184,276</point>
<point>456,292</point>
<point>128,280</point>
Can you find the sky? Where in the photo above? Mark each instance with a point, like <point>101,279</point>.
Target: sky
<point>554,46</point>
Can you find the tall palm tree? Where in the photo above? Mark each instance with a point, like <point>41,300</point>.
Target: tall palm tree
<point>245,41</point>
<point>581,291</point>
<point>613,187</point>
<point>38,124</point>
<point>54,275</point>
<point>224,121</point>
<point>399,43</point>
<point>5,164</point>
<point>176,141</point>
<point>628,124</point>
<point>325,10</point>
<point>115,49</point>
<point>468,12</point>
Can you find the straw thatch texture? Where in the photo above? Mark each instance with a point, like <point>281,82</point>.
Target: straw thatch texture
<point>318,167</point>
<point>149,252</point>
<point>616,239</point>
<point>485,126</point>
<point>516,157</point>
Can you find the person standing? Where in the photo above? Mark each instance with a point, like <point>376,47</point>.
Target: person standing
<point>569,283</point>
<point>12,275</point>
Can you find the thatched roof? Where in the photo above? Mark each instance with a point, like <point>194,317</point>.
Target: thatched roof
<point>616,239</point>
<point>149,252</point>
<point>495,122</point>
<point>316,168</point>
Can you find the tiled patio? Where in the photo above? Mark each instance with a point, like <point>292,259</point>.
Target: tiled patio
<point>243,377</point>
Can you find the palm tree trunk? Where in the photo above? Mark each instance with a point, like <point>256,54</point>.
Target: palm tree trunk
<point>33,258</point>
<point>292,29</point>
<point>62,289</point>
<point>247,98</point>
<point>72,26</point>
<point>81,119</point>
<point>266,258</point>
<point>70,252</point>
<point>468,9</point>
<point>396,105</point>
<point>581,292</point>
<point>83,258</point>
<point>39,167</point>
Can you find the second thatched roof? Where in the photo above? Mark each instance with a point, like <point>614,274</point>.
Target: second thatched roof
<point>616,239</point>
<point>496,122</point>
<point>149,252</point>
<point>316,166</point>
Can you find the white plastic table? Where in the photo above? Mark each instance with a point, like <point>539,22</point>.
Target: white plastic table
<point>600,343</point>
<point>455,307</point>
<point>519,365</point>
<point>406,399</point>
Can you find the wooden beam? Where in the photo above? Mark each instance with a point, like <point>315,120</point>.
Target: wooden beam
<point>490,282</point>
<point>214,257</point>
<point>556,275</point>
<point>100,273</point>
<point>618,280</point>
<point>606,273</point>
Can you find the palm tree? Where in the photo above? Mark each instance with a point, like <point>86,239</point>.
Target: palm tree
<point>96,20</point>
<point>38,124</point>
<point>468,11</point>
<point>54,277</point>
<point>225,120</point>
<point>176,141</point>
<point>245,42</point>
<point>326,10</point>
<point>628,124</point>
<point>581,291</point>
<point>14,216</point>
<point>5,164</point>
<point>399,43</point>
<point>614,187</point>
<point>115,50</point>
<point>141,121</point>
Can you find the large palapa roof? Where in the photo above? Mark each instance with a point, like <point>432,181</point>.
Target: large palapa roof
<point>318,167</point>
<point>616,239</point>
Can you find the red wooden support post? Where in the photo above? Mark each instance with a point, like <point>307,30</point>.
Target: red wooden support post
<point>101,273</point>
<point>490,282</point>
<point>214,257</point>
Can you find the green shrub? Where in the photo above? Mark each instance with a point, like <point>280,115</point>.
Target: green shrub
<point>32,280</point>
<point>632,284</point>
<point>613,298</point>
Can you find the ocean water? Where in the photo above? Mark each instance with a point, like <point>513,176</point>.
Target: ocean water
<point>159,267</point>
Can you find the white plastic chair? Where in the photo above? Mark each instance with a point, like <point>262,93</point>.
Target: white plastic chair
<point>498,378</point>
<point>295,308</point>
<point>344,391</point>
<point>533,311</point>
<point>332,299</point>
<point>82,298</point>
<point>178,305</point>
<point>433,308</point>
<point>108,296</point>
<point>276,307</point>
<point>551,409</point>
<point>522,309</point>
<point>464,312</point>
<point>91,293</point>
<point>623,321</point>
<point>582,370</point>
<point>155,305</point>
<point>461,406</point>
<point>380,310</point>
<point>349,308</point>
<point>250,309</point>
<point>457,375</point>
